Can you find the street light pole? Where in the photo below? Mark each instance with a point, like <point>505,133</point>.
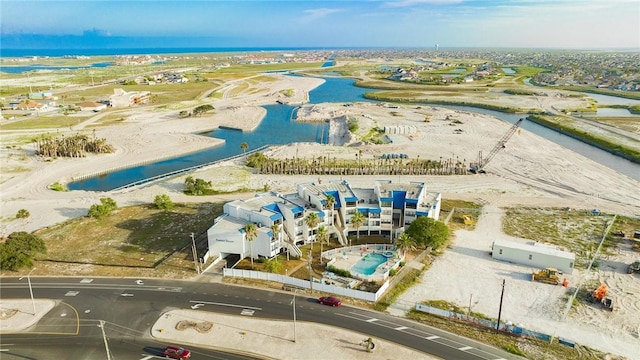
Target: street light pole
<point>293,303</point>
<point>310,273</point>
<point>31,290</point>
<point>195,253</point>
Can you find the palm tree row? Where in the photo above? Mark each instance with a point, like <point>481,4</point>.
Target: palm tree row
<point>72,146</point>
<point>332,166</point>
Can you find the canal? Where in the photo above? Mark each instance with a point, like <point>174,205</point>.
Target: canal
<point>279,127</point>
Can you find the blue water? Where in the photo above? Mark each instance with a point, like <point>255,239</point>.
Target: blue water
<point>283,131</point>
<point>276,128</point>
<point>24,68</point>
<point>368,264</point>
<point>146,51</point>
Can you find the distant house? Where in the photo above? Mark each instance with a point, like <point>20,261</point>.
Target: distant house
<point>121,98</point>
<point>30,105</point>
<point>91,106</point>
<point>41,96</point>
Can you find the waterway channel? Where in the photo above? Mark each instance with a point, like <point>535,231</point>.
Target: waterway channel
<point>279,127</point>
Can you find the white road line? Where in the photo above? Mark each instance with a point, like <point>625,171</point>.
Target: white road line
<point>465,348</point>
<point>371,320</point>
<point>229,305</point>
<point>432,337</point>
<point>401,328</point>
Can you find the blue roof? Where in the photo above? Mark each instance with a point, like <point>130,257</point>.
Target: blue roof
<point>422,213</point>
<point>321,213</point>
<point>276,216</point>
<point>351,198</point>
<point>336,196</point>
<point>297,209</point>
<point>398,199</point>
<point>411,201</point>
<point>375,210</point>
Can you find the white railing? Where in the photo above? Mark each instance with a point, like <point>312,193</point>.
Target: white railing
<point>305,284</point>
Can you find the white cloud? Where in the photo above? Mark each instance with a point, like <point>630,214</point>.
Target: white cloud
<point>311,15</point>
<point>406,3</point>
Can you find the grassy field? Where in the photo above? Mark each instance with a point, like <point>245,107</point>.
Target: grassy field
<point>133,241</point>
<point>577,231</point>
<point>44,121</point>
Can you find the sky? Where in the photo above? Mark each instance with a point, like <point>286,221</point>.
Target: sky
<point>558,24</point>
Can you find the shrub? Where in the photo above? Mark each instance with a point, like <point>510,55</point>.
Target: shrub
<point>196,186</point>
<point>18,251</point>
<point>105,208</point>
<point>339,272</point>
<point>353,125</point>
<point>22,214</point>
<point>393,272</point>
<point>56,186</point>
<point>163,202</point>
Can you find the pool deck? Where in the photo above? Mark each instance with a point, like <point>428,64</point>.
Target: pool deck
<point>348,257</point>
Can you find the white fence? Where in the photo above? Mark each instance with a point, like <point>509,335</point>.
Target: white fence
<point>305,284</point>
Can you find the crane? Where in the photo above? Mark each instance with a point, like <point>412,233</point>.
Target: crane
<point>478,167</point>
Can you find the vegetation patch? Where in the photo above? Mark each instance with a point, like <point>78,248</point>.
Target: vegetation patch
<point>565,127</point>
<point>136,237</point>
<point>578,231</point>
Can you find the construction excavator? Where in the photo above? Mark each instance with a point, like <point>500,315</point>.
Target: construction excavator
<point>478,166</point>
<point>599,296</point>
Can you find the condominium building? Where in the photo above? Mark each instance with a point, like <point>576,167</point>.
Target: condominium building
<point>281,219</point>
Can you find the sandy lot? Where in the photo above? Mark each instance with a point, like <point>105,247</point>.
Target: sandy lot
<point>530,171</point>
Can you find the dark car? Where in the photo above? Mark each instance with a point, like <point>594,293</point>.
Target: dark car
<point>330,300</point>
<point>176,352</point>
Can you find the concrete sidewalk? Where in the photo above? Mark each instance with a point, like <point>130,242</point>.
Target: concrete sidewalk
<point>270,339</point>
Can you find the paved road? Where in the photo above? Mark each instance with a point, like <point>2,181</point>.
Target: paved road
<point>130,308</point>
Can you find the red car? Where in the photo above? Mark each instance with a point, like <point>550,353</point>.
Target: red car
<point>176,352</point>
<point>330,300</point>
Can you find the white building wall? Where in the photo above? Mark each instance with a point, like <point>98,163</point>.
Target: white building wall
<point>535,258</point>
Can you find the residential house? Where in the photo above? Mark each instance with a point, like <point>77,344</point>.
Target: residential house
<point>91,106</point>
<point>121,98</point>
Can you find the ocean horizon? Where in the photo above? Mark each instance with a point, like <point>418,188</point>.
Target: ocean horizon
<point>12,53</point>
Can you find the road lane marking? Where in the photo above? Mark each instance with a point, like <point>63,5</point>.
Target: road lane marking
<point>229,305</point>
<point>465,348</point>
<point>371,320</point>
<point>72,293</point>
<point>247,312</point>
<point>432,337</point>
<point>400,328</point>
<point>196,306</point>
<point>86,281</point>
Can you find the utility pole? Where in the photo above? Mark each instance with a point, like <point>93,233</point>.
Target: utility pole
<point>310,273</point>
<point>293,303</point>
<point>104,338</point>
<point>500,309</point>
<point>469,311</point>
<point>195,253</point>
<point>30,290</point>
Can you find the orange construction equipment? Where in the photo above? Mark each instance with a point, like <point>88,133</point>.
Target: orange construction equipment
<point>599,296</point>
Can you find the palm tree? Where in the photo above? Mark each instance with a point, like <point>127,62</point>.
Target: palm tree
<point>251,233</point>
<point>322,236</point>
<point>244,146</point>
<point>405,243</point>
<point>330,203</point>
<point>275,231</point>
<point>312,220</point>
<point>357,220</point>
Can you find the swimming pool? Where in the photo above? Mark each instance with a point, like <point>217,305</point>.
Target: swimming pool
<point>368,264</point>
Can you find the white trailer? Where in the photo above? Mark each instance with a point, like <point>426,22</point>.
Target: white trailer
<point>533,254</point>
